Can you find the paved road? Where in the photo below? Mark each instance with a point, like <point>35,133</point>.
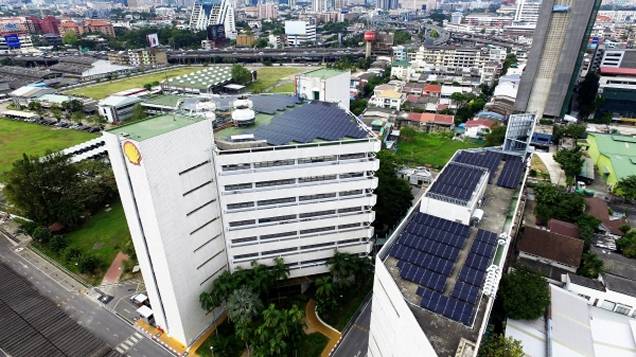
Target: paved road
<point>356,340</point>
<point>87,312</point>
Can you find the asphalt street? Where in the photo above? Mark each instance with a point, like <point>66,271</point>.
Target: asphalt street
<point>356,340</point>
<point>87,312</point>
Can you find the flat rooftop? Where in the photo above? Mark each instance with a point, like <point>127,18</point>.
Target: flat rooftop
<point>441,265</point>
<point>149,128</point>
<point>323,73</point>
<point>164,100</point>
<point>284,120</point>
<point>208,77</point>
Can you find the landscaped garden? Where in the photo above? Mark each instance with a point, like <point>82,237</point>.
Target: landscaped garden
<point>18,137</point>
<point>430,149</point>
<point>274,79</point>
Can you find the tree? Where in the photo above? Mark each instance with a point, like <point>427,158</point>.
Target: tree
<point>586,97</point>
<point>56,111</point>
<point>57,243</point>
<point>626,188</point>
<point>496,136</point>
<point>241,75</point>
<point>591,265</point>
<point>556,202</point>
<point>325,294</point>
<point>346,268</point>
<point>627,244</point>
<point>70,38</point>
<point>500,346</point>
<point>72,254</point>
<point>587,226</point>
<point>243,305</point>
<point>138,113</point>
<point>511,60</point>
<point>571,161</point>
<point>280,332</point>
<point>72,106</point>
<point>394,194</point>
<point>524,294</point>
<point>261,43</point>
<point>88,264</point>
<point>147,86</point>
<point>401,37</point>
<point>358,106</point>
<point>35,106</point>
<point>45,190</point>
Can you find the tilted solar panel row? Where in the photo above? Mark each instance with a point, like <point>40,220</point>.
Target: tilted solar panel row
<point>426,261</point>
<point>270,104</point>
<point>441,224</point>
<point>512,172</point>
<point>448,238</point>
<point>429,246</point>
<point>422,276</point>
<point>487,237</point>
<point>457,181</point>
<point>466,292</point>
<point>472,276</point>
<point>450,307</point>
<point>488,160</point>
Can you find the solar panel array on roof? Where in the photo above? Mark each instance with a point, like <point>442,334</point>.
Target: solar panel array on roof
<point>512,172</point>
<point>427,250</point>
<point>487,159</point>
<point>309,122</point>
<point>457,181</point>
<point>270,104</point>
<point>31,325</point>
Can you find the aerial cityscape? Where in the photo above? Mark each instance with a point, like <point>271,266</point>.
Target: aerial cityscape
<point>343,178</point>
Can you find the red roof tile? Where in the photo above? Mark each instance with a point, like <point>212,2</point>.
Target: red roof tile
<point>432,88</point>
<point>598,209</point>
<point>619,71</point>
<point>480,122</point>
<point>564,228</point>
<point>441,119</point>
<point>550,245</point>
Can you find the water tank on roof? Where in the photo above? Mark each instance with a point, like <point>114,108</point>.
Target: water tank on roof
<point>242,113</point>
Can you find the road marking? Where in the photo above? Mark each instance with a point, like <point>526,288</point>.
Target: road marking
<point>119,349</point>
<point>134,338</point>
<point>137,334</point>
<point>129,343</point>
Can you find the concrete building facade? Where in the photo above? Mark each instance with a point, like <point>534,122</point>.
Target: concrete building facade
<point>556,56</point>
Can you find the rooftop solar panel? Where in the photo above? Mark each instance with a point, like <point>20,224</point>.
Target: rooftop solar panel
<point>487,159</point>
<point>270,104</point>
<point>457,181</point>
<point>512,172</point>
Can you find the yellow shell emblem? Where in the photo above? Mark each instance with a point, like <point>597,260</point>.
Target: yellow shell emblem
<point>132,153</point>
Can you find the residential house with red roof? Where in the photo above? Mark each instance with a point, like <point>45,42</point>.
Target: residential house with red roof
<point>479,128</point>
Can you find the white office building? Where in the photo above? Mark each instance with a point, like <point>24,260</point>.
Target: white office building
<point>437,276</point>
<point>325,85</point>
<point>117,108</point>
<point>206,13</point>
<point>527,11</point>
<point>300,32</point>
<point>287,179</point>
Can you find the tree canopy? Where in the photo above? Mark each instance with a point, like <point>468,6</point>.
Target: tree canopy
<point>556,202</point>
<point>401,37</point>
<point>241,75</point>
<point>394,194</point>
<point>500,346</point>
<point>626,188</point>
<point>571,161</point>
<point>54,190</point>
<point>627,244</point>
<point>525,295</point>
<point>496,136</point>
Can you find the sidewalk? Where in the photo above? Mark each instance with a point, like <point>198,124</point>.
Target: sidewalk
<point>155,334</point>
<point>315,324</point>
<point>115,270</point>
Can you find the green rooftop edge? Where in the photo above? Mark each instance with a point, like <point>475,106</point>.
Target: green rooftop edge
<point>155,126</point>
<point>323,73</point>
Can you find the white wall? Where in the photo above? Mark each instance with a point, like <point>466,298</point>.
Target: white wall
<point>336,91</point>
<point>186,252</point>
<point>596,297</point>
<point>394,331</point>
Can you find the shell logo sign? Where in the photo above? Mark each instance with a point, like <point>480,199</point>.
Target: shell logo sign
<point>132,153</point>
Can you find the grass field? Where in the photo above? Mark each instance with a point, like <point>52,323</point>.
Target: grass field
<point>268,77</point>
<point>434,149</point>
<point>103,235</point>
<point>103,90</point>
<point>18,137</point>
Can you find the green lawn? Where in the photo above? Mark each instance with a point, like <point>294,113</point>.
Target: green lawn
<point>268,77</point>
<point>103,90</point>
<point>284,87</point>
<point>18,137</point>
<point>103,235</point>
<point>434,149</point>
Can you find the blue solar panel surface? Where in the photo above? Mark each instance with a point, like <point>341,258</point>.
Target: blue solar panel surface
<point>487,159</point>
<point>512,172</point>
<point>457,181</point>
<point>270,104</point>
<point>310,122</point>
<point>428,248</point>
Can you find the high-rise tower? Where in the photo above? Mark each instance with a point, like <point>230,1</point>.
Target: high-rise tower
<point>555,58</point>
<point>214,12</point>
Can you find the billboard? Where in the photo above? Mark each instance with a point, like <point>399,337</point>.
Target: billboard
<point>12,41</point>
<point>153,40</point>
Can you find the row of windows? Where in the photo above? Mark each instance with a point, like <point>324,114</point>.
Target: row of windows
<point>290,162</point>
<point>302,249</point>
<point>290,217</point>
<point>292,234</point>
<point>279,201</point>
<point>292,181</point>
